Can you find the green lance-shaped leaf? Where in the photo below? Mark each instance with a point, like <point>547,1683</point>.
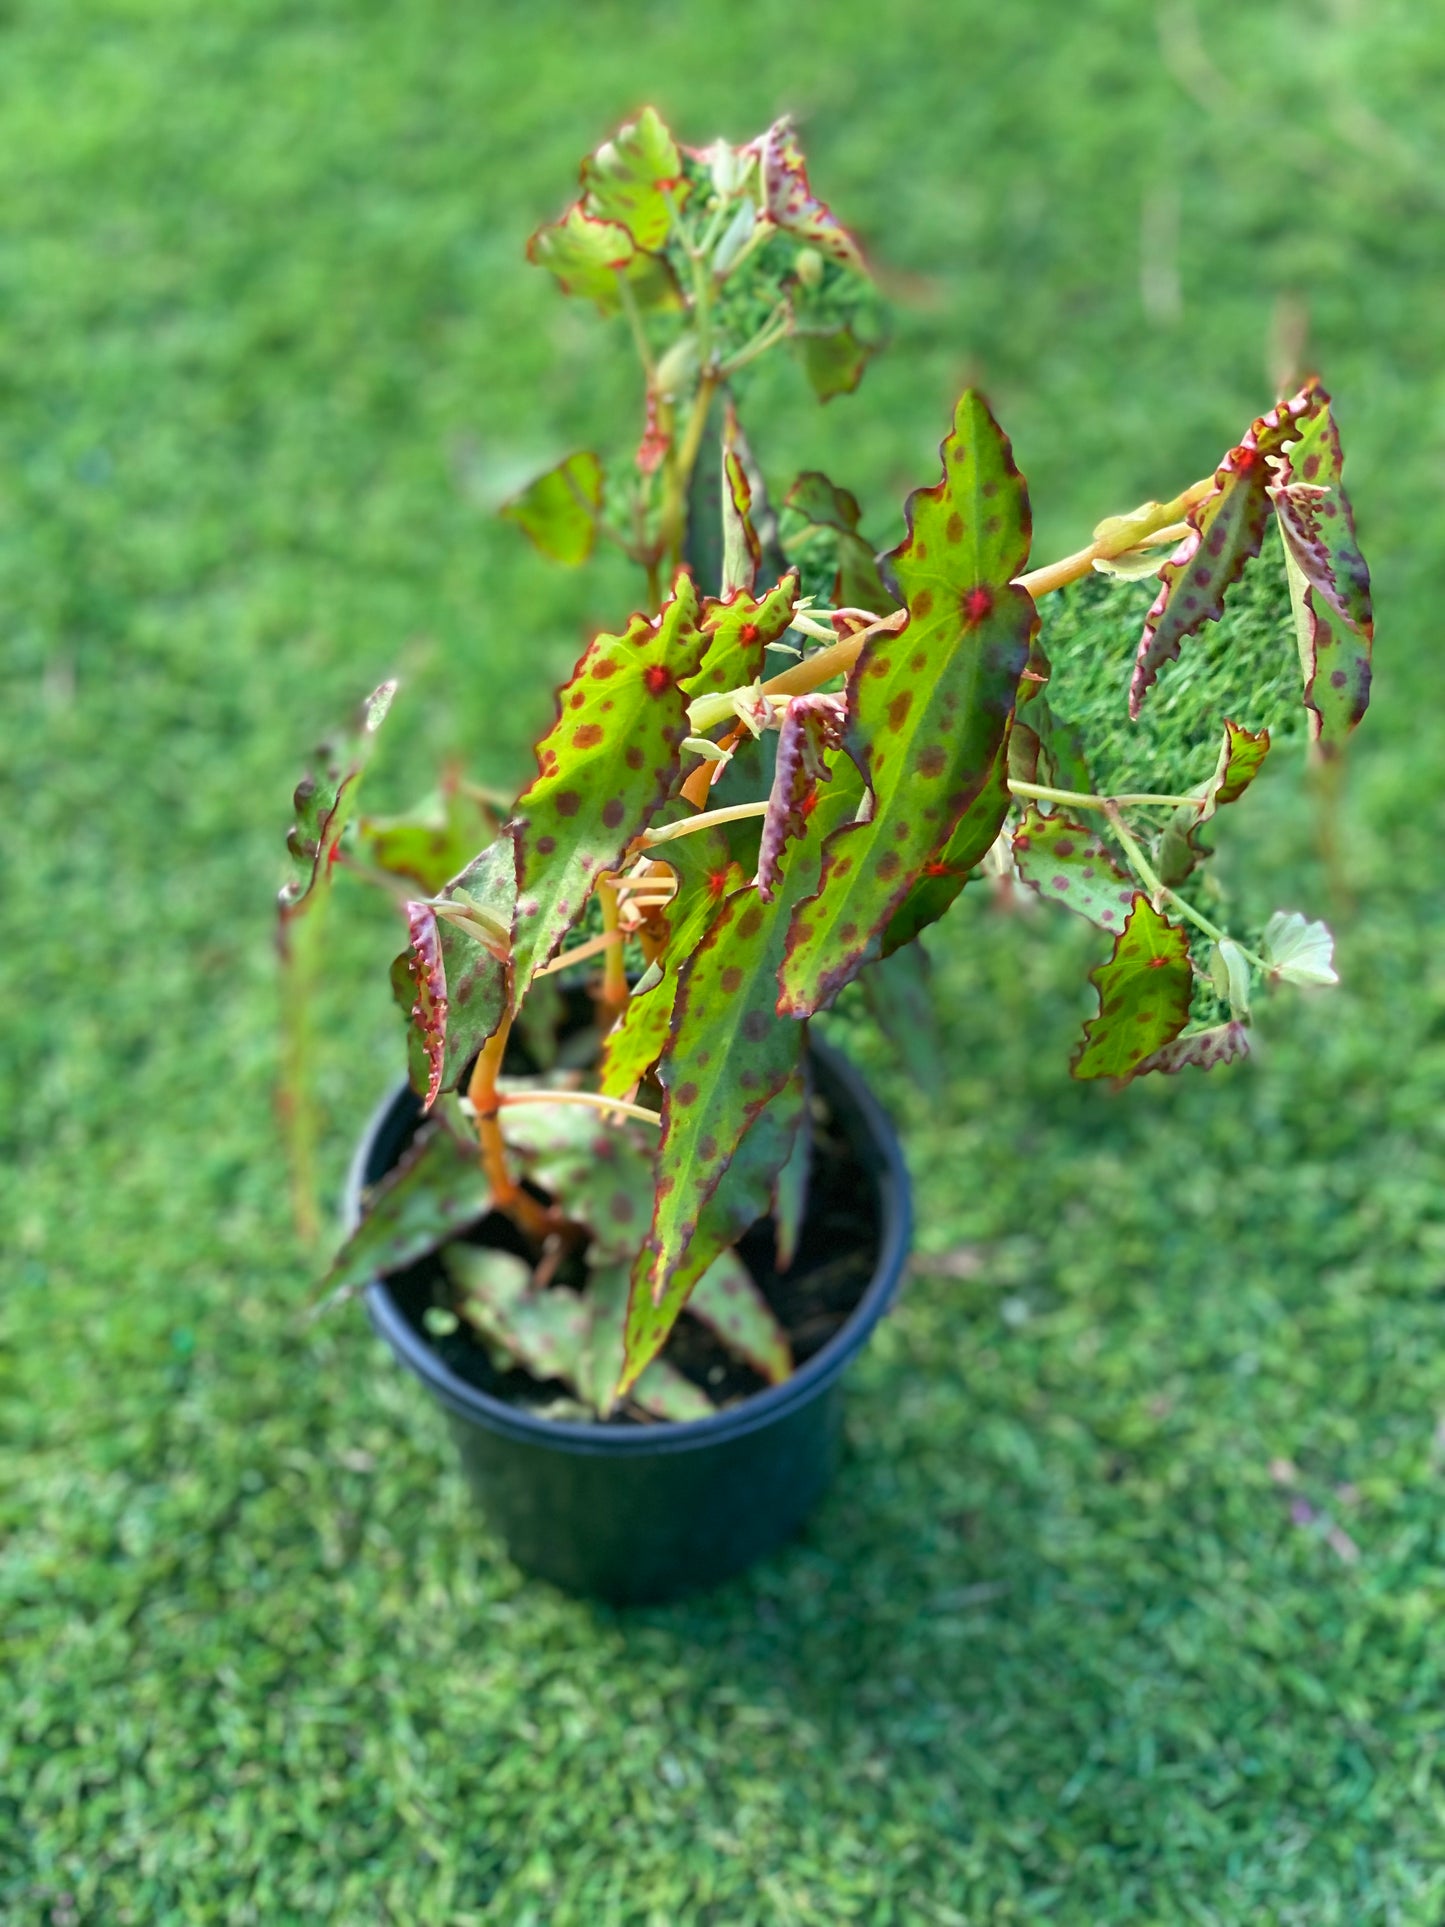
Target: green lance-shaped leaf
<point>631,178</point>
<point>432,843</point>
<point>661,1389</point>
<point>727,1300</point>
<point>1335,665</point>
<point>941,881</point>
<point>605,769</point>
<point>859,583</point>
<point>707,872</point>
<point>898,990</point>
<point>1199,1050</point>
<point>435,1191</point>
<point>1225,530</point>
<point>324,800</point>
<point>1069,864</point>
<point>589,257</point>
<point>788,198</point>
<point>451,980</point>
<point>744,1192</point>
<point>560,511</point>
<point>1241,756</point>
<point>1318,523</point>
<point>1144,993</point>
<point>928,709</point>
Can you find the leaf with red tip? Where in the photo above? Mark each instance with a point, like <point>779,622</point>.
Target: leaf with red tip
<point>604,770</point>
<point>1241,756</point>
<point>1318,523</point>
<point>707,871</point>
<point>811,730</point>
<point>790,201</point>
<point>433,1193</point>
<point>324,800</point>
<point>1067,863</point>
<point>759,1161</point>
<point>559,512</point>
<point>1199,1049</point>
<point>1143,996</point>
<point>588,256</point>
<point>631,178</point>
<point>928,710</point>
<point>859,583</point>
<point>1225,530</point>
<point>727,1300</point>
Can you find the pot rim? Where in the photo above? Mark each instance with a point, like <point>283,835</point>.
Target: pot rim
<point>760,1409</point>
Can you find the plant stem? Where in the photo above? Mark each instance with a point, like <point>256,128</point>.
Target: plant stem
<point>592,1098</point>
<point>1079,800</point>
<point>628,304</point>
<point>734,813</point>
<point>775,329</point>
<point>1156,887</point>
<point>520,1206</point>
<point>613,1000</point>
<point>579,953</point>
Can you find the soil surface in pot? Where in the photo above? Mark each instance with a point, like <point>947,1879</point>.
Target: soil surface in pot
<point>837,1254</point>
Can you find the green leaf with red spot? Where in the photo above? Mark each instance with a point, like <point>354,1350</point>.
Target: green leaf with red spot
<point>631,178</point>
<point>940,883</point>
<point>760,1161</point>
<point>707,871</point>
<point>559,512</point>
<point>599,1172</point>
<point>434,842</point>
<point>1241,756</point>
<point>661,1390</point>
<point>589,256</point>
<point>324,800</point>
<point>1069,864</point>
<point>1144,992</point>
<point>1335,666</point>
<point>738,632</point>
<point>1199,1050</point>
<point>545,1332</point>
<point>727,1300</point>
<point>605,769</point>
<point>1225,530</point>
<point>788,198</point>
<point>928,710</point>
<point>859,583</point>
<point>433,1193</point>
<point>1318,523</point>
<point>833,359</point>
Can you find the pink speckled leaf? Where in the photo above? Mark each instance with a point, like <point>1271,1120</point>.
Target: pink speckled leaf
<point>728,1302</point>
<point>661,1389</point>
<point>419,985</point>
<point>545,1332</point>
<point>941,881</point>
<point>789,199</point>
<point>599,1172</point>
<point>1070,864</point>
<point>1318,523</point>
<point>452,986</point>
<point>811,730</point>
<point>1144,992</point>
<point>928,710</point>
<point>1225,530</point>
<point>605,769</point>
<point>1200,1049</point>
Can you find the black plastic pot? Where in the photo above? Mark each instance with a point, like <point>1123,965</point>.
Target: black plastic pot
<point>629,1513</point>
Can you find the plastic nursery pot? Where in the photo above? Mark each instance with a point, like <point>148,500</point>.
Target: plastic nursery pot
<point>631,1512</point>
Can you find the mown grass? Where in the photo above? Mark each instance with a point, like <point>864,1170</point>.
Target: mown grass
<point>1127,1605</point>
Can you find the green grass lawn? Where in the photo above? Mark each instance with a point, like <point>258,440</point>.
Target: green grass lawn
<point>1128,1604</point>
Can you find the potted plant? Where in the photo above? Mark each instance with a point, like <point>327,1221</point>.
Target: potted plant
<point>625,1219</point>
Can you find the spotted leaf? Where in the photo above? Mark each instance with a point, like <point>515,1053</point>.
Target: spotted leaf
<point>788,198</point>
<point>928,710</point>
<point>742,1195</point>
<point>560,511</point>
<point>545,1332</point>
<point>1069,864</point>
<point>661,1389</point>
<point>1318,523</point>
<point>631,178</point>
<point>811,730</point>
<point>432,1194</point>
<point>1143,996</point>
<point>1241,757</point>
<point>324,800</point>
<point>1199,1049</point>
<point>1225,530</point>
<point>727,1300</point>
<point>604,770</point>
<point>452,984</point>
<point>599,1172</point>
<point>940,883</point>
<point>589,256</point>
<point>738,632</point>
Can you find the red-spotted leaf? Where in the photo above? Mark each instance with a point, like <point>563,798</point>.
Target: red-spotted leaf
<point>661,1390</point>
<point>1241,755</point>
<point>560,511</point>
<point>1334,665</point>
<point>789,199</point>
<point>432,1194</point>
<point>941,880</point>
<point>432,843</point>
<point>588,256</point>
<point>419,985</point>
<point>631,178</point>
<point>727,1300</point>
<point>928,709</point>
<point>545,1332</point>
<point>605,769</point>
<point>598,1172</point>
<point>833,359</point>
<point>324,800</point>
<point>742,1195</point>
<point>1199,1049</point>
<point>452,979</point>
<point>707,871</point>
<point>1225,530</point>
<point>1143,996</point>
<point>1318,523</point>
<point>1071,865</point>
<point>738,632</point>
<point>811,730</point>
